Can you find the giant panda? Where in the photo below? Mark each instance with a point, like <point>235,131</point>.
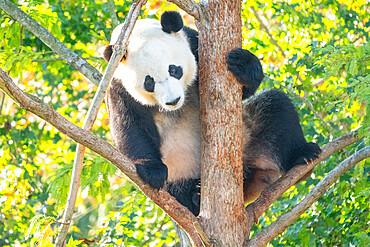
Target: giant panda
<point>154,113</point>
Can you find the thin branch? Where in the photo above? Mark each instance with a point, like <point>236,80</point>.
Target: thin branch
<point>270,194</point>
<point>160,197</point>
<point>190,7</point>
<point>281,224</point>
<point>72,58</point>
<point>303,99</point>
<point>119,51</point>
<point>267,31</point>
<point>112,12</point>
<point>271,37</point>
<point>21,39</point>
<point>59,59</point>
<point>2,103</point>
<point>306,101</point>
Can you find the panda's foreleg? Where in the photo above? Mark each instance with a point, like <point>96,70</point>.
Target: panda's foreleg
<point>186,192</point>
<point>140,148</point>
<point>135,134</point>
<point>246,68</point>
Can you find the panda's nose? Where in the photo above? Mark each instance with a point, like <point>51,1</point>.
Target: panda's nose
<point>174,102</point>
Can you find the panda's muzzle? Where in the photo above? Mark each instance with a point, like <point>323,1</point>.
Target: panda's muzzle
<point>174,102</point>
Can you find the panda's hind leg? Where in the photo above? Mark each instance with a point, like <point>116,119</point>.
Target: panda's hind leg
<point>274,140</point>
<point>274,126</point>
<point>256,180</point>
<point>304,153</point>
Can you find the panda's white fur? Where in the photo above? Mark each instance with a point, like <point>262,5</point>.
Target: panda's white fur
<point>180,144</point>
<point>150,46</point>
<point>163,139</point>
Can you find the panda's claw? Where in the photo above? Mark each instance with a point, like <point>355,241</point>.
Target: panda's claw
<point>196,200</point>
<point>154,174</point>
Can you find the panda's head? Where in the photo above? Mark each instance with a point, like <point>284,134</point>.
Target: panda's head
<point>158,65</point>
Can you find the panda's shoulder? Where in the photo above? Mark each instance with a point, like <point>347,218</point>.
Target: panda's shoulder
<point>192,37</point>
<point>120,100</point>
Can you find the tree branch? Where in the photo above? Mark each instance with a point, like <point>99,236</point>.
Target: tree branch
<point>270,194</point>
<point>112,12</point>
<point>60,59</point>
<point>119,51</point>
<point>190,7</point>
<point>72,58</point>
<point>281,224</point>
<point>160,197</point>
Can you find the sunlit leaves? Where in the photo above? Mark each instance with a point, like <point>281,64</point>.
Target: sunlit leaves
<point>138,222</point>
<point>350,65</point>
<point>41,231</point>
<point>316,51</point>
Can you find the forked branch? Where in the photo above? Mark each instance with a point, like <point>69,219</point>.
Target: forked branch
<point>190,7</point>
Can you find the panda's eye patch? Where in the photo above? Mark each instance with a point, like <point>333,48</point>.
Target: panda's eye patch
<point>175,71</point>
<point>149,83</point>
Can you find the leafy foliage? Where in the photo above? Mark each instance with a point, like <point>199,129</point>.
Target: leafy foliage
<point>317,51</point>
<point>36,160</point>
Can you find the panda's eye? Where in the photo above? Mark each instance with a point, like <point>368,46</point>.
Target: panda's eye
<point>149,83</point>
<point>175,71</point>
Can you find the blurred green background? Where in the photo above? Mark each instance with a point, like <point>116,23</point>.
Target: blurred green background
<point>317,51</point>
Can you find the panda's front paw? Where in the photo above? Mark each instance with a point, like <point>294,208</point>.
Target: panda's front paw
<point>154,174</point>
<point>246,68</point>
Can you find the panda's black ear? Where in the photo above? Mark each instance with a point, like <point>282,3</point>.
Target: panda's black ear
<point>171,21</point>
<point>108,51</point>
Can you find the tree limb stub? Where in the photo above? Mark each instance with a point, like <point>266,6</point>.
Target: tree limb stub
<point>190,7</point>
<point>45,36</point>
<point>160,197</point>
<point>281,224</point>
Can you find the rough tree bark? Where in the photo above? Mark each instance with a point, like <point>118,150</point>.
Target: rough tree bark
<point>222,212</point>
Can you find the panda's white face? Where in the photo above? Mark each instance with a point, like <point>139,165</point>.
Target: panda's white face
<point>158,67</point>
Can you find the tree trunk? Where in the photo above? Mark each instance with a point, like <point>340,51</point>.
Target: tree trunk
<point>222,210</point>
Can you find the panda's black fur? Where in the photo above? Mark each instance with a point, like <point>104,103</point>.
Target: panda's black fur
<point>153,137</point>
